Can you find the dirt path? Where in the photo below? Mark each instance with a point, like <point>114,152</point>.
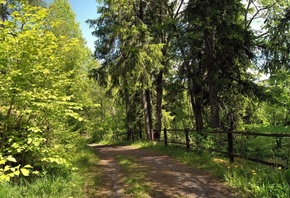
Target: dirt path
<point>165,176</point>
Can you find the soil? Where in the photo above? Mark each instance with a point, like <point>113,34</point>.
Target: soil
<point>167,177</point>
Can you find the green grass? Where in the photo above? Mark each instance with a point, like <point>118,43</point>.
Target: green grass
<point>264,128</point>
<point>250,179</point>
<point>90,172</point>
<point>135,180</point>
<point>52,186</point>
<point>45,186</point>
<point>81,182</point>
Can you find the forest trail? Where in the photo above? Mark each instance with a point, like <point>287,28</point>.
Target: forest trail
<point>127,171</point>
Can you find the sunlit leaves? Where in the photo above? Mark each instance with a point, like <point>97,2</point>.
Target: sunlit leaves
<point>10,159</point>
<point>8,171</point>
<point>38,70</point>
<point>275,42</point>
<point>24,171</point>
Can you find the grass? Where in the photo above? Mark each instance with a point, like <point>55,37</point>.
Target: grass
<point>135,180</point>
<point>250,179</point>
<point>81,182</point>
<point>90,172</point>
<point>264,128</point>
<point>46,186</point>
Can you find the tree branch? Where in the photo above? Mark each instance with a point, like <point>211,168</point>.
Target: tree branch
<point>258,11</point>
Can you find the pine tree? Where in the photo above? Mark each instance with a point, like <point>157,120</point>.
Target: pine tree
<point>129,53</point>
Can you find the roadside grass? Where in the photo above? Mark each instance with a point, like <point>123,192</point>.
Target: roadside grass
<point>77,183</point>
<point>90,173</point>
<point>46,186</point>
<point>248,178</point>
<point>135,180</point>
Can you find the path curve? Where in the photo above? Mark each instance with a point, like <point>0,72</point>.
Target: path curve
<point>168,178</point>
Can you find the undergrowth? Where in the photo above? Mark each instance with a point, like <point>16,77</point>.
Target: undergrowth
<point>79,182</point>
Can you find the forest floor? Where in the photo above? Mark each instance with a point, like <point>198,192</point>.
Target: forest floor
<point>127,171</point>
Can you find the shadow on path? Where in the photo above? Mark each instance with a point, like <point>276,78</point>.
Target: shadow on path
<point>167,177</point>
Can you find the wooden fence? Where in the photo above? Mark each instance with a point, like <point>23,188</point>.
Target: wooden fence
<point>167,136</point>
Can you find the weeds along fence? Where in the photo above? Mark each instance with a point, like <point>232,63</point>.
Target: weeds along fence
<point>129,136</point>
<point>265,148</point>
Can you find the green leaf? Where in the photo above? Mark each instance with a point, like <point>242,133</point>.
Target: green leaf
<point>35,172</point>
<point>4,178</point>
<point>11,159</point>
<point>17,172</point>
<point>29,140</point>
<point>28,166</point>
<point>11,174</point>
<point>6,168</point>
<point>3,161</point>
<point>24,171</point>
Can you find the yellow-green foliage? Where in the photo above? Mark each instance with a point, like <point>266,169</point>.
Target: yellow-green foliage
<point>9,172</point>
<point>36,103</point>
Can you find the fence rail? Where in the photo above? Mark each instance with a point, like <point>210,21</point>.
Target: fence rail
<point>184,139</point>
<point>250,133</point>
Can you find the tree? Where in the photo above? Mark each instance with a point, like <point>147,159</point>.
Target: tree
<point>159,19</point>
<point>272,47</point>
<point>220,52</point>
<point>276,41</point>
<point>35,107</point>
<point>130,56</point>
<point>5,10</point>
<point>78,62</point>
<point>204,47</point>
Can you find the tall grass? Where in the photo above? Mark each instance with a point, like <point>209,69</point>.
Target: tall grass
<point>45,186</point>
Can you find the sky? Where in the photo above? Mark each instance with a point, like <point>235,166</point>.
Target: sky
<point>84,10</point>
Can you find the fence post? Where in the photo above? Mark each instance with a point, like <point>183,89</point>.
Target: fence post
<point>152,134</point>
<point>128,134</point>
<point>231,146</point>
<point>187,139</point>
<point>165,136</point>
<point>140,134</point>
<point>132,136</point>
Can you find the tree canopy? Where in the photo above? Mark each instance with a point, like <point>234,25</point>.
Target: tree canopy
<point>40,101</point>
<point>205,49</point>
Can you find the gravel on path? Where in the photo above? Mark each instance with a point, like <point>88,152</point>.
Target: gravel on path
<point>168,178</point>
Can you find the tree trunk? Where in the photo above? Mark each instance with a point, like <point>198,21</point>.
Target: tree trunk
<point>197,108</point>
<point>147,112</point>
<point>3,12</point>
<point>159,103</point>
<point>286,122</point>
<point>214,108</point>
<point>196,103</point>
<point>212,70</point>
<point>128,110</point>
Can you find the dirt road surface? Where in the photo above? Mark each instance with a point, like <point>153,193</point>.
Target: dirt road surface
<point>166,177</point>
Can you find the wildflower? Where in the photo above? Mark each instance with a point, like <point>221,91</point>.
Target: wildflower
<point>280,168</point>
<point>253,172</point>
